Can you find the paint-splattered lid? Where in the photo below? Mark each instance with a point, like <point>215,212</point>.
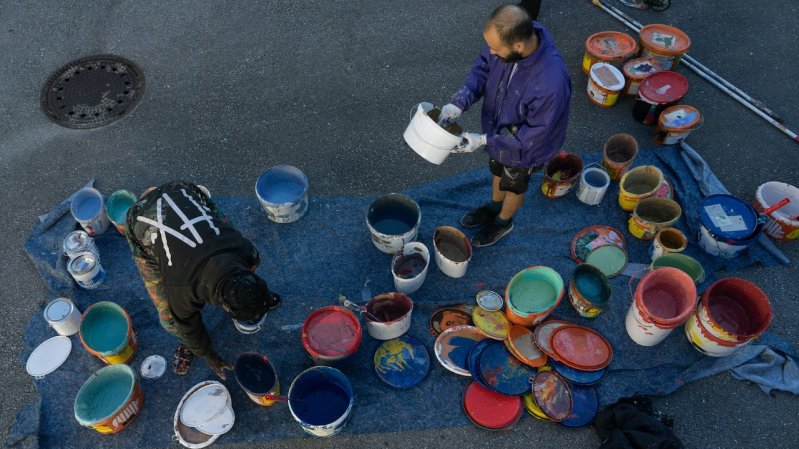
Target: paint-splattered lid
<point>663,87</point>
<point>494,324</point>
<point>593,237</point>
<point>503,372</point>
<point>581,348</point>
<point>544,331</point>
<point>489,409</point>
<point>640,67</point>
<point>48,356</point>
<point>680,116</point>
<point>402,362</point>
<point>452,347</point>
<point>728,217</point>
<point>521,344</point>
<point>443,319</point>
<point>553,396</point>
<point>610,259</point>
<point>533,408</point>
<point>473,360</point>
<point>489,300</point>
<point>665,39</point>
<point>607,76</point>
<point>153,367</point>
<point>585,405</point>
<point>610,45</point>
<point>220,423</point>
<point>576,376</point>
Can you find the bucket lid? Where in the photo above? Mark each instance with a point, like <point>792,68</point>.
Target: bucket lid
<point>665,39</point>
<point>473,360</point>
<point>489,409</point>
<point>331,331</point>
<point>544,331</point>
<point>221,423</point>
<point>204,404</point>
<point>402,362</point>
<point>453,345</point>
<point>641,67</point>
<point>552,395</point>
<point>82,263</point>
<point>607,76</point>
<point>585,405</point>
<point>189,436</point>
<point>48,356</point>
<point>610,259</point>
<point>58,309</point>
<point>521,343</point>
<point>663,87</point>
<point>533,408</point>
<point>490,300</point>
<point>581,347</point>
<point>593,237</point>
<point>153,367</point>
<point>578,376</point>
<point>503,372</point>
<point>494,323</point>
<point>728,217</point>
<point>680,116</point>
<point>610,45</point>
<point>443,319</point>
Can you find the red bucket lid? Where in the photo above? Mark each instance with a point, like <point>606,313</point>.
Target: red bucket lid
<point>331,331</point>
<point>543,332</point>
<point>663,87</point>
<point>490,409</point>
<point>581,348</point>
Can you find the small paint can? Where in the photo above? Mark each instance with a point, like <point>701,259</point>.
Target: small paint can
<point>728,226</point>
<point>782,224</point>
<point>638,184</point>
<point>258,378</point>
<point>604,84</point>
<point>393,220</point>
<point>331,334</point>
<point>668,240</point>
<point>122,399</point>
<point>78,242</point>
<point>62,315</point>
<point>635,70</point>
<point>388,315</point>
<point>532,294</point>
<point>283,193</point>
<point>676,123</point>
<point>452,250</point>
<point>594,182</point>
<point>650,215</point>
<point>409,267</point>
<point>321,399</point>
<point>682,262</point>
<point>87,207</point>
<point>560,174</point>
<point>107,332</point>
<point>607,46</point>
<point>117,208</point>
<point>662,301</point>
<point>618,154</point>
<point>657,92</point>
<point>589,290</point>
<point>663,43</point>
<point>85,268</point>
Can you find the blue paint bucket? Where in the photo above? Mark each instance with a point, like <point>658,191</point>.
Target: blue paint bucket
<point>728,226</point>
<point>283,193</point>
<point>321,399</point>
<point>117,208</point>
<point>393,221</point>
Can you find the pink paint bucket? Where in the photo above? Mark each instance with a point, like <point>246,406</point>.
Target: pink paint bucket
<point>662,301</point>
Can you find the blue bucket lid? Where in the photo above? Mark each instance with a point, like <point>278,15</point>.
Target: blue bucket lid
<point>503,372</point>
<point>585,405</point>
<point>728,217</point>
<point>402,362</point>
<point>575,376</point>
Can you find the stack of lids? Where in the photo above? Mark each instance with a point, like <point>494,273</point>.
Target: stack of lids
<point>204,413</point>
<point>601,246</point>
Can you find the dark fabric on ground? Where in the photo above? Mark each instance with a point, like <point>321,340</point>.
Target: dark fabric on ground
<point>328,252</point>
<point>631,424</point>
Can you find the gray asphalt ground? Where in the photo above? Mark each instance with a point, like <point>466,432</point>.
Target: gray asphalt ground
<point>236,87</point>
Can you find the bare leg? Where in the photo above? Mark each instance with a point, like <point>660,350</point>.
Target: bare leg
<point>496,194</point>
<point>510,205</point>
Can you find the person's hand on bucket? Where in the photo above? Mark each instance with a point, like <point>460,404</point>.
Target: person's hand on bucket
<point>449,113</point>
<point>470,143</point>
<point>219,366</point>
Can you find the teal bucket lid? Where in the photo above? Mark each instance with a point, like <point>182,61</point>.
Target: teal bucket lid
<point>104,328</point>
<point>534,290</point>
<point>104,393</point>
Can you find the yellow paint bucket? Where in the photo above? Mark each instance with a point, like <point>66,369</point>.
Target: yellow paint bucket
<point>637,184</point>
<point>651,215</point>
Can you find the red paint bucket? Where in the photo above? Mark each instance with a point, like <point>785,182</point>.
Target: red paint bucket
<point>331,334</point>
<point>657,92</point>
<point>662,301</point>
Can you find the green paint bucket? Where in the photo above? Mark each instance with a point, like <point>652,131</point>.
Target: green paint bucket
<point>687,264</point>
<point>109,400</point>
<point>532,294</point>
<point>589,290</point>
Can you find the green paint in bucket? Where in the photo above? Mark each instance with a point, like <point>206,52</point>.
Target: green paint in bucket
<point>117,207</point>
<point>682,262</point>
<point>589,290</point>
<point>109,400</point>
<point>106,331</point>
<point>532,294</point>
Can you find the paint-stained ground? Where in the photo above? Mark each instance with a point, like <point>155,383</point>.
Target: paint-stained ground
<point>233,88</point>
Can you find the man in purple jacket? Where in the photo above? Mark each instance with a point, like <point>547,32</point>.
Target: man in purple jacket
<point>525,89</point>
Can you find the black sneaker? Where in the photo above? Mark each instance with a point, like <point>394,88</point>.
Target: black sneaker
<point>478,217</point>
<point>274,301</point>
<point>491,234</point>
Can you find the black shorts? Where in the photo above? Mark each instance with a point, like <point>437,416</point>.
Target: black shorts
<point>512,179</point>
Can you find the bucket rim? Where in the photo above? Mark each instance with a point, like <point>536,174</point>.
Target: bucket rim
<point>535,269</point>
<point>625,45</point>
<point>780,213</point>
<point>672,272</point>
<point>329,309</point>
<point>698,277</point>
<point>457,233</point>
<point>389,295</point>
<point>658,199</point>
<point>329,372</point>
<point>290,168</point>
<point>94,307</point>
<point>263,357</point>
<point>762,296</point>
<point>84,191</point>
<point>602,277</point>
<point>401,196</point>
<point>120,367</point>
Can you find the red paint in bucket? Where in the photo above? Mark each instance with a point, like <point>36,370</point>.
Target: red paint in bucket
<point>331,334</point>
<point>738,307</point>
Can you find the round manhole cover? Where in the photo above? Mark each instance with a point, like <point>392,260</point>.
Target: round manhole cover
<point>92,92</point>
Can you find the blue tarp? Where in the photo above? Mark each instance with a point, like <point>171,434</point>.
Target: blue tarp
<point>328,252</point>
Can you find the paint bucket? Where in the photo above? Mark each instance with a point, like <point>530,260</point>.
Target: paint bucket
<point>283,193</point>
<point>321,399</point>
<point>728,226</point>
<point>109,400</point>
<point>117,208</point>
<point>662,301</point>
<point>78,242</point>
<point>664,43</point>
<point>87,209</point>
<point>657,92</point>
<point>686,264</point>
<point>85,268</point>
<point>589,290</point>
<point>667,241</point>
<point>635,70</point>
<point>209,410</point>
<point>594,182</point>
<point>62,315</point>
<point>331,334</point>
<point>532,294</point>
<point>604,84</point>
<point>426,138</point>
<point>607,46</point>
<point>676,123</point>
<point>393,221</point>
<point>560,174</point>
<point>452,250</point>
<point>782,224</point>
<point>188,436</point>
<point>651,215</point>
<point>409,267</point>
<point>388,315</point>
<point>618,155</point>
<point>638,184</point>
<point>731,313</point>
<point>257,377</point>
<point>106,331</point>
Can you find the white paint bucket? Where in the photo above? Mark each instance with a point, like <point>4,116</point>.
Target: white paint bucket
<point>62,315</point>
<point>662,301</point>
<point>388,315</point>
<point>594,183</point>
<point>393,220</point>
<point>283,193</point>
<point>426,138</point>
<point>409,267</point>
<point>782,224</point>
<point>88,209</point>
<point>453,251</point>
<point>85,268</point>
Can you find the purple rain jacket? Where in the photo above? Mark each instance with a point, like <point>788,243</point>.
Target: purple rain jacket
<point>525,103</point>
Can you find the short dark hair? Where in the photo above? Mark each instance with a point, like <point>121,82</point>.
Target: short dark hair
<point>512,24</point>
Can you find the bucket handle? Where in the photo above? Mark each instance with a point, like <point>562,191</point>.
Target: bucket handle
<point>276,397</point>
<point>413,110</point>
<point>595,164</point>
<point>779,204</point>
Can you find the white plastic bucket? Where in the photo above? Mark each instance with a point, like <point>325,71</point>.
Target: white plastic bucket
<point>283,193</point>
<point>388,315</point>
<point>393,220</point>
<point>88,209</point>
<point>782,224</point>
<point>662,301</point>
<point>409,267</point>
<point>426,138</point>
<point>594,183</point>
<point>62,315</point>
<point>453,251</point>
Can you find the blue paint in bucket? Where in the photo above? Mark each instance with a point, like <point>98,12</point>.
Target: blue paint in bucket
<point>85,207</point>
<point>104,329</point>
<point>320,399</point>
<point>393,221</point>
<point>283,193</point>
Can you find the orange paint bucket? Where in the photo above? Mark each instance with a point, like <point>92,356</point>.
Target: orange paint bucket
<point>607,46</point>
<point>676,123</point>
<point>604,84</point>
<point>635,70</point>
<point>109,400</point>
<point>663,43</point>
<point>637,184</point>
<point>106,332</point>
<point>618,154</point>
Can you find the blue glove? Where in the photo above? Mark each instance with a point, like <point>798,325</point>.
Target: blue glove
<point>449,113</point>
<point>470,142</point>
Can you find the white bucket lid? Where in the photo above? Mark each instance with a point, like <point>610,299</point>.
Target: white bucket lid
<point>58,309</point>
<point>48,356</point>
<point>603,73</point>
<point>189,436</point>
<point>204,404</point>
<point>153,367</point>
<point>219,424</point>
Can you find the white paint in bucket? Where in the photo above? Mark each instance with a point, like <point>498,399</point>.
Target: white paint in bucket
<point>393,221</point>
<point>85,268</point>
<point>403,282</point>
<point>453,251</point>
<point>62,315</point>
<point>88,209</point>
<point>594,183</point>
<point>426,138</point>
<point>283,193</point>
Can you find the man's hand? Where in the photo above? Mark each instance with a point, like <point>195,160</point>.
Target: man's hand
<point>470,143</point>
<point>449,113</point>
<point>219,366</point>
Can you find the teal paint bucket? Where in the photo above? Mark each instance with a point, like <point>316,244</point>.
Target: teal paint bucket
<point>532,294</point>
<point>106,331</point>
<point>589,290</point>
<point>109,400</point>
<point>117,208</point>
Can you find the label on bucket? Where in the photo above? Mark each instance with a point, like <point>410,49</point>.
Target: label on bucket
<point>665,61</point>
<point>723,221</point>
<point>600,96</point>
